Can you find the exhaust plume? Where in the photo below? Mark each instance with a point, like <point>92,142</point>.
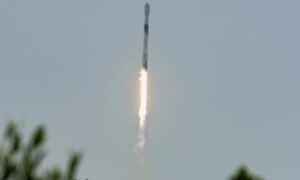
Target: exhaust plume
<point>142,110</point>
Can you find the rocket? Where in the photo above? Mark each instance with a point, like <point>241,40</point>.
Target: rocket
<point>146,35</point>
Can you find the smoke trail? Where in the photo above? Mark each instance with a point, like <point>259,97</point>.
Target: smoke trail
<point>141,139</point>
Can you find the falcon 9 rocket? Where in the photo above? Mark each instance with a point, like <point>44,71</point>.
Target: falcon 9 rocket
<point>146,35</point>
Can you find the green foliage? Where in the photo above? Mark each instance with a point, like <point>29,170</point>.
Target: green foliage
<point>242,173</point>
<point>21,161</point>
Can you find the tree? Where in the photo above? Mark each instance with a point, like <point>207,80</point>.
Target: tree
<point>21,161</point>
<point>242,173</point>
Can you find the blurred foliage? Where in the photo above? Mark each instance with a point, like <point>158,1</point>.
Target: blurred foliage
<point>242,173</point>
<point>21,161</point>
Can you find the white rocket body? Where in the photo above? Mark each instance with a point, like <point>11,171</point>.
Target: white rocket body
<point>146,35</point>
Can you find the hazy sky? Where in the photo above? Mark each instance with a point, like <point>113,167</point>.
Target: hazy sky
<point>224,84</point>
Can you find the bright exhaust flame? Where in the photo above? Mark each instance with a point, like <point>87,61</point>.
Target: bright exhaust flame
<point>142,110</point>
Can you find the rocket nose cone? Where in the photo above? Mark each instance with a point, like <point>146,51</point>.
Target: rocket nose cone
<point>147,9</point>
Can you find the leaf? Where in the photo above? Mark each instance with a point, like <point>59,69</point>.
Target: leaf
<point>38,137</point>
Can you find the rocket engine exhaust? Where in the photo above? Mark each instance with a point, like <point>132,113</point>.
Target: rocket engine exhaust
<point>142,110</point>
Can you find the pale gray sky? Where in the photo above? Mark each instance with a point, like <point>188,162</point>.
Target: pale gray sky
<point>224,84</point>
